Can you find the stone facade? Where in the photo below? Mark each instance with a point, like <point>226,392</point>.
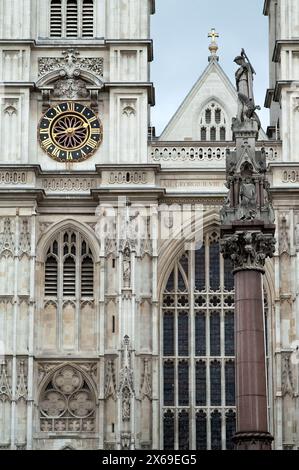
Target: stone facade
<point>82,361</point>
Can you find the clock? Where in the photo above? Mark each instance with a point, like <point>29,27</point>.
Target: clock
<point>70,132</point>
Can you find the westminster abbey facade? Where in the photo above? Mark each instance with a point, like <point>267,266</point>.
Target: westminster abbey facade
<point>116,305</point>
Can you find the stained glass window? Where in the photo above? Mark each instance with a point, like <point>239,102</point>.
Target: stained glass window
<point>216,431</point>
<point>183,376</point>
<point>168,383</point>
<point>183,430</point>
<point>215,334</point>
<point>229,334</point>
<point>201,393</point>
<point>200,334</point>
<point>183,333</point>
<point>201,430</point>
<point>168,334</point>
<point>201,313</point>
<point>230,419</point>
<point>230,383</point>
<point>215,377</point>
<point>168,430</point>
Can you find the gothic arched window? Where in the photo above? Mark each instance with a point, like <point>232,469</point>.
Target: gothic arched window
<point>198,351</point>
<point>68,310</point>
<point>213,123</point>
<point>72,18</point>
<point>67,403</point>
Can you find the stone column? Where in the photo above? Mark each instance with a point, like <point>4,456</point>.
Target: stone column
<point>247,240</point>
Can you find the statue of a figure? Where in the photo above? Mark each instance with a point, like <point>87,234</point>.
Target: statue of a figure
<point>127,267</point>
<point>247,204</point>
<point>244,82</point>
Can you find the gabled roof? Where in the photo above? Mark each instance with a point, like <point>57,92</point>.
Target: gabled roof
<point>212,84</point>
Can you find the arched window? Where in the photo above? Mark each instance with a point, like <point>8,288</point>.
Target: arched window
<point>198,355</point>
<point>67,403</point>
<point>75,278</point>
<point>213,123</point>
<point>67,319</point>
<point>203,134</point>
<point>213,134</point>
<point>72,18</point>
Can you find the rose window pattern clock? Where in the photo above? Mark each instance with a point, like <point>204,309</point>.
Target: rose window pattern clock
<point>70,132</point>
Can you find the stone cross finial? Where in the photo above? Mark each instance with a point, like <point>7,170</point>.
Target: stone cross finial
<point>213,47</point>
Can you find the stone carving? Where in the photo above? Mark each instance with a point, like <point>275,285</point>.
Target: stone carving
<point>297,236</point>
<point>5,388</point>
<point>284,239</point>
<point>126,379</point>
<point>67,402</point>
<point>248,249</point>
<point>247,201</point>
<point>287,385</point>
<point>24,243</point>
<point>68,184</point>
<point>127,268</point>
<point>11,107</point>
<point>128,177</point>
<point>290,176</point>
<point>68,61</point>
<point>6,238</point>
<point>197,154</point>
<point>22,386</point>
<point>244,81</point>
<point>72,89</point>
<point>146,387</point>
<point>13,177</point>
<point>110,383</point>
<point>126,441</point>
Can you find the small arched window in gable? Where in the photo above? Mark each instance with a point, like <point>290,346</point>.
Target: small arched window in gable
<point>213,123</point>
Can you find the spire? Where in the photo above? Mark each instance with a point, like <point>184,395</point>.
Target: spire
<point>213,47</point>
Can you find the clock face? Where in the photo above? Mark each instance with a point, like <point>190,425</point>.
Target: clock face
<point>70,132</point>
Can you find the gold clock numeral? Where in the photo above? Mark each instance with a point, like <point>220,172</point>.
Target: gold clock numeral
<point>94,118</point>
<point>58,110</point>
<point>95,131</point>
<point>71,106</point>
<point>69,156</point>
<point>92,143</point>
<point>44,131</point>
<point>47,143</point>
<point>56,152</point>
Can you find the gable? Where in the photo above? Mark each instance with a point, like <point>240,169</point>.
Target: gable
<point>213,85</point>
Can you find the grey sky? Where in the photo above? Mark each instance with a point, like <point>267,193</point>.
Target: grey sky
<point>179,31</point>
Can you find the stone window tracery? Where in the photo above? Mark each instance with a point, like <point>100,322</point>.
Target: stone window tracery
<point>67,403</point>
<point>213,123</point>
<point>198,358</point>
<point>72,18</point>
<point>198,352</point>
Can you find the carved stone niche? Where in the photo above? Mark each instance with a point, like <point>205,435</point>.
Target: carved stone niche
<point>70,78</point>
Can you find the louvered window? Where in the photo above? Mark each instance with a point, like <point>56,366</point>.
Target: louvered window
<point>56,19</point>
<point>213,123</point>
<point>87,19</point>
<point>51,272</point>
<point>72,18</point>
<point>69,267</point>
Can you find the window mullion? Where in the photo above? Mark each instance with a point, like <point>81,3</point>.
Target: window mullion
<point>80,19</point>
<point>60,290</point>
<point>78,287</point>
<point>192,384</point>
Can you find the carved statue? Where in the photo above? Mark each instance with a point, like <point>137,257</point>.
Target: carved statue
<point>127,267</point>
<point>244,82</point>
<point>247,205</point>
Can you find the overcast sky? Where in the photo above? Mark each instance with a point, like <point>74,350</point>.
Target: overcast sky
<point>180,30</point>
